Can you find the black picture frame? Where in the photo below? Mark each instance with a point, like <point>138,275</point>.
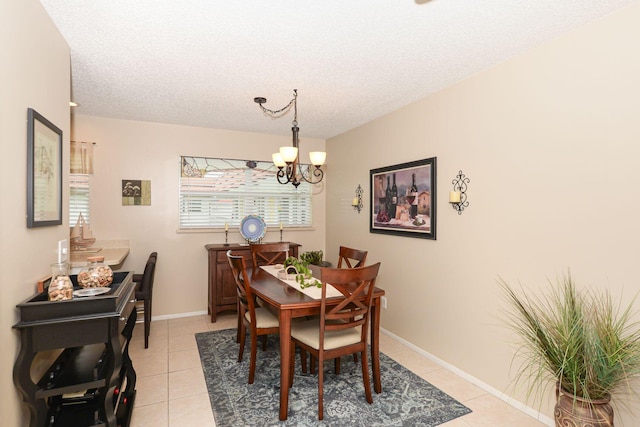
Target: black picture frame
<point>414,213</point>
<point>44,171</point>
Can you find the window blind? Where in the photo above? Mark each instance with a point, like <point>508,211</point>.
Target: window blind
<point>78,197</point>
<point>215,192</point>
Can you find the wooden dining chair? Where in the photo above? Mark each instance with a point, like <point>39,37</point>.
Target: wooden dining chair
<point>341,328</point>
<point>258,320</point>
<point>350,258</point>
<point>347,258</point>
<point>266,254</point>
<point>269,253</point>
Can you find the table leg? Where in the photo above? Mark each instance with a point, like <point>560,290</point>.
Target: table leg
<point>375,345</point>
<point>285,361</point>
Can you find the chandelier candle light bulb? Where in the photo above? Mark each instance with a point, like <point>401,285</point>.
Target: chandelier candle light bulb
<point>278,160</point>
<point>288,154</point>
<point>317,157</point>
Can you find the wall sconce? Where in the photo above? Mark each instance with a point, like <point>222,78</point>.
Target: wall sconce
<point>357,201</point>
<point>458,196</point>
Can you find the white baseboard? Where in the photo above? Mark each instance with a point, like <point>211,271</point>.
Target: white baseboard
<point>178,316</point>
<point>475,381</point>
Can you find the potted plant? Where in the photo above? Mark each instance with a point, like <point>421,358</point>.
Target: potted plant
<point>314,258</point>
<point>581,341</point>
<point>303,275</point>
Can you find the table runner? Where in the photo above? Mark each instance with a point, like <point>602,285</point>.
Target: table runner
<point>312,291</point>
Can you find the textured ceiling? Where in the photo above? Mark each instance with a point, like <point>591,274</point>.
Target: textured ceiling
<point>201,62</point>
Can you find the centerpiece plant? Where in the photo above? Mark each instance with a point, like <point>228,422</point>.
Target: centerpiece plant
<point>314,258</point>
<point>583,341</point>
<point>304,275</point>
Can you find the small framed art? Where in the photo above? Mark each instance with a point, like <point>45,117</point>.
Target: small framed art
<point>44,171</point>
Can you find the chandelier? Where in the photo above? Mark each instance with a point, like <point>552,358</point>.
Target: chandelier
<point>286,160</point>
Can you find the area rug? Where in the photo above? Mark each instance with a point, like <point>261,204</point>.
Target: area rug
<point>406,399</point>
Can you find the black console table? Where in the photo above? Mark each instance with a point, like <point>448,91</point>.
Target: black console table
<point>92,382</point>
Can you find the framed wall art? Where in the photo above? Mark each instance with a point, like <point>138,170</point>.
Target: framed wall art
<point>44,171</point>
<point>403,199</point>
<point>136,192</point>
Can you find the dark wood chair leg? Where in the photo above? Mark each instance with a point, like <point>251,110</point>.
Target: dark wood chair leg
<point>147,322</point>
<point>320,390</point>
<point>252,362</point>
<point>264,343</point>
<point>365,377</point>
<point>242,339</point>
<point>239,321</point>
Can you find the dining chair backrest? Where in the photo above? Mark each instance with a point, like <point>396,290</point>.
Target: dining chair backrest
<point>356,285</point>
<point>269,253</point>
<point>351,258</point>
<point>243,285</point>
<point>146,284</point>
<point>144,292</point>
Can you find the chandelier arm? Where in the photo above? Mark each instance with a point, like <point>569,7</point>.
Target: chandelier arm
<point>282,174</point>
<point>317,172</point>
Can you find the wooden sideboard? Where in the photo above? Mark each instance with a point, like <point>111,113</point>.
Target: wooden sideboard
<point>222,294</point>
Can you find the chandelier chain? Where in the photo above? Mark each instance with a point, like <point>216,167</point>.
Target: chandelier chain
<point>276,114</point>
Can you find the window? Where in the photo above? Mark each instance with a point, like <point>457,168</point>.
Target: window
<point>78,197</point>
<point>215,192</point>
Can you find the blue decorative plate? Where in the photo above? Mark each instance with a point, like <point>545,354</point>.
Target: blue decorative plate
<point>253,228</point>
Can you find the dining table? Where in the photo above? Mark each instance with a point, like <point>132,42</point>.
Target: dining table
<point>289,302</point>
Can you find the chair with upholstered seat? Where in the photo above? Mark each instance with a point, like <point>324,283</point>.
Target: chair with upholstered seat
<point>258,320</point>
<point>350,258</point>
<point>265,254</point>
<point>347,258</point>
<point>341,328</point>
<point>144,292</point>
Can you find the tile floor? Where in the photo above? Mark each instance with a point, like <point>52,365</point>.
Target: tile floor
<point>171,391</point>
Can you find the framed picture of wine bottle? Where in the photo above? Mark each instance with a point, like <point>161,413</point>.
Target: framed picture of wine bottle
<point>403,199</point>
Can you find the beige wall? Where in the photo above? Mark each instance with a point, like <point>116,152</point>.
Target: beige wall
<point>550,141</point>
<point>34,74</point>
<point>151,151</point>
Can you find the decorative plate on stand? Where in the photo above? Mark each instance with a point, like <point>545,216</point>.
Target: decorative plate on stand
<point>253,228</point>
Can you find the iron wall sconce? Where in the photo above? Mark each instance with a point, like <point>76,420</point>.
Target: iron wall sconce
<point>357,201</point>
<point>458,196</point>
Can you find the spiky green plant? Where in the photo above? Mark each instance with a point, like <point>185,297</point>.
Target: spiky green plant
<point>583,341</point>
